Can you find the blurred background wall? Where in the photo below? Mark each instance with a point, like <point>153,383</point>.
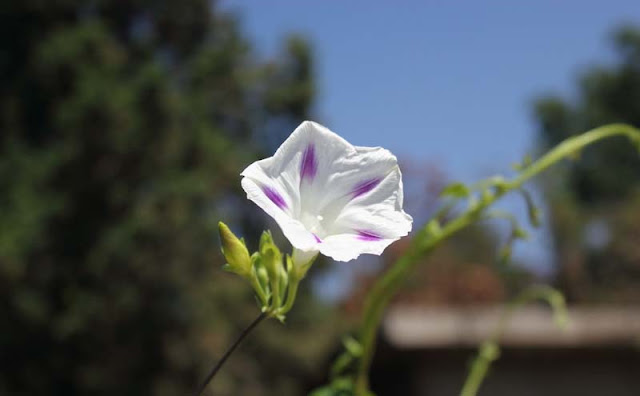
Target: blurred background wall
<point>124,125</point>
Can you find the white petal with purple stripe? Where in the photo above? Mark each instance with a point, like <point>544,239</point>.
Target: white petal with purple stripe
<point>329,196</point>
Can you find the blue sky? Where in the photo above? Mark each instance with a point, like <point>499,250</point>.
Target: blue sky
<point>450,82</point>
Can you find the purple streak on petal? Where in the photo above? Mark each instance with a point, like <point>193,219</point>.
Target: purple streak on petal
<point>368,236</point>
<point>317,239</point>
<point>309,165</point>
<point>365,186</point>
<point>275,197</point>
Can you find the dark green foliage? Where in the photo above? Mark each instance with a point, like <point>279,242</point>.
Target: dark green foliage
<point>606,95</point>
<point>594,202</point>
<point>123,127</point>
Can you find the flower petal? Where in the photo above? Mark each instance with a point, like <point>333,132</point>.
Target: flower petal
<point>311,150</point>
<point>297,173</point>
<point>278,201</point>
<point>347,247</point>
<point>330,196</point>
<point>365,232</point>
<point>369,222</point>
<point>377,188</point>
<point>355,177</point>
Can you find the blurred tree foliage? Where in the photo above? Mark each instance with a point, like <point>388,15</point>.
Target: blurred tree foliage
<point>123,127</point>
<point>595,202</point>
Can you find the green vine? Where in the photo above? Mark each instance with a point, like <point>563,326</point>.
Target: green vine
<point>489,351</point>
<point>434,233</point>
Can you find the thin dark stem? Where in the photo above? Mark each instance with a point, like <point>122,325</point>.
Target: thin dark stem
<point>232,348</point>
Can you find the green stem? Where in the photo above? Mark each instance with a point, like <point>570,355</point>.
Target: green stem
<point>262,295</point>
<point>489,351</point>
<point>426,240</point>
<point>275,293</point>
<point>291,296</point>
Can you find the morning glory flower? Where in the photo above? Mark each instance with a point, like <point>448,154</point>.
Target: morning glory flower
<point>329,196</point>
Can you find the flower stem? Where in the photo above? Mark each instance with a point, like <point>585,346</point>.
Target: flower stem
<point>426,240</point>
<point>489,351</point>
<point>229,351</point>
<point>258,289</point>
<point>291,296</point>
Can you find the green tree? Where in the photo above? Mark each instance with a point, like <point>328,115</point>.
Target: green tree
<point>123,127</point>
<point>594,201</point>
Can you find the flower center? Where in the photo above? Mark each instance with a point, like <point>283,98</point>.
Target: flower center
<point>314,223</point>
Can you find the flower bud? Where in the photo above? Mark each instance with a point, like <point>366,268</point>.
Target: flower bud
<point>235,252</point>
<point>270,255</point>
<point>261,273</point>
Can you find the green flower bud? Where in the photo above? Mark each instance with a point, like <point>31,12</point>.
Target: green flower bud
<point>271,258</point>
<point>284,282</point>
<point>235,252</point>
<point>270,255</point>
<point>261,273</point>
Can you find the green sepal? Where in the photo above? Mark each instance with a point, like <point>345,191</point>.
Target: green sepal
<point>261,274</point>
<point>298,266</point>
<point>271,258</point>
<point>235,252</point>
<point>270,255</point>
<point>260,279</point>
<point>284,281</point>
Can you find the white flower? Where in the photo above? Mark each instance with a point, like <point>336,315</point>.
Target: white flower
<point>329,196</point>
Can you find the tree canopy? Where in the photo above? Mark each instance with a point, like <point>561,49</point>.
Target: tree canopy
<point>124,125</point>
<point>595,202</point>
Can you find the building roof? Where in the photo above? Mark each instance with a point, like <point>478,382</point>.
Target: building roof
<point>419,327</point>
